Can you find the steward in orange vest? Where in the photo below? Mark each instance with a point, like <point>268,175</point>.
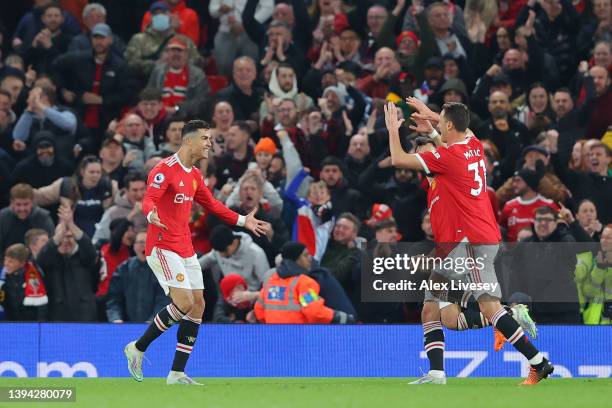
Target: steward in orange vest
<point>291,296</point>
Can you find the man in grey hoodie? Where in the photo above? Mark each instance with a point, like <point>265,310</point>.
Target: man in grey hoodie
<point>128,205</point>
<point>236,253</point>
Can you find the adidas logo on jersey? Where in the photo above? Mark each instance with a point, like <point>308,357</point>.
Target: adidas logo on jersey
<point>181,184</point>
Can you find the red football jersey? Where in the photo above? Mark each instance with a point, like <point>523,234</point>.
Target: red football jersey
<point>172,188</point>
<point>458,201</point>
<point>518,214</point>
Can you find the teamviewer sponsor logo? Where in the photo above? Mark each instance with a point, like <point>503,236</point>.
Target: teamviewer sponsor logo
<point>180,198</point>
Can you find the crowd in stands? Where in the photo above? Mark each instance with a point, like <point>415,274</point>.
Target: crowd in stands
<point>94,94</point>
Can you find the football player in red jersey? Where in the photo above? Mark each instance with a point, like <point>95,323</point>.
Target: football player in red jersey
<point>461,215</point>
<point>173,185</point>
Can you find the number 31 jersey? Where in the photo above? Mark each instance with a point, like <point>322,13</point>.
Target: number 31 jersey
<point>459,205</point>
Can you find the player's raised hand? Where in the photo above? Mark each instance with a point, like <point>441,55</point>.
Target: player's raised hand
<point>423,111</point>
<point>256,226</point>
<point>391,120</point>
<point>154,219</point>
<point>422,125</point>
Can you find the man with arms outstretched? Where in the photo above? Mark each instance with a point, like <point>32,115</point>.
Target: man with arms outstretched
<point>172,187</point>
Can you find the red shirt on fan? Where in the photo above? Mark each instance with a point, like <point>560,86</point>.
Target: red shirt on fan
<point>175,87</point>
<point>92,112</point>
<point>518,214</point>
<point>171,188</point>
<point>459,203</point>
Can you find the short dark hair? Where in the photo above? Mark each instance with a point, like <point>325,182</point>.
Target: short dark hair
<point>543,210</point>
<point>193,126</point>
<point>150,94</point>
<point>285,65</point>
<point>423,141</point>
<point>244,126</point>
<point>458,114</point>
<point>53,4</point>
<point>566,90</point>
<point>132,177</point>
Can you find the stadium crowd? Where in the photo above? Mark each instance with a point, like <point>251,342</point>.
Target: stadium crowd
<point>94,94</point>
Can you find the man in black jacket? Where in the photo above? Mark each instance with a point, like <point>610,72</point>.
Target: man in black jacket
<point>69,261</point>
<point>508,134</point>
<point>543,268</point>
<point>243,94</point>
<point>400,191</point>
<point>134,294</point>
<point>96,84</point>
<point>50,42</point>
<point>343,198</point>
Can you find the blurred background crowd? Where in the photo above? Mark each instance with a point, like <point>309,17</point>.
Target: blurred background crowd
<point>94,94</point>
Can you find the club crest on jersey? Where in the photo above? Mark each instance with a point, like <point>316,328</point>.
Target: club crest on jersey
<point>180,277</point>
<point>159,178</point>
<point>195,185</point>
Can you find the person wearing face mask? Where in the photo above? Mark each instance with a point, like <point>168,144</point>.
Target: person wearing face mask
<point>147,48</point>
<point>43,166</point>
<point>182,19</point>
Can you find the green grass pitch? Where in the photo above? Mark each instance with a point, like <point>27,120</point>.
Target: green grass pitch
<point>322,393</point>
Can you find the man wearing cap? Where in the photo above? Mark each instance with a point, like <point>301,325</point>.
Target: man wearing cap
<point>111,155</point>
<point>49,43</point>
<point>181,82</point>
<point>147,48</point>
<point>433,77</point>
<point>93,14</point>
<point>549,186</point>
<point>236,253</point>
<point>291,296</point>
<point>96,84</point>
<point>518,213</point>
<point>42,167</point>
<point>181,18</point>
